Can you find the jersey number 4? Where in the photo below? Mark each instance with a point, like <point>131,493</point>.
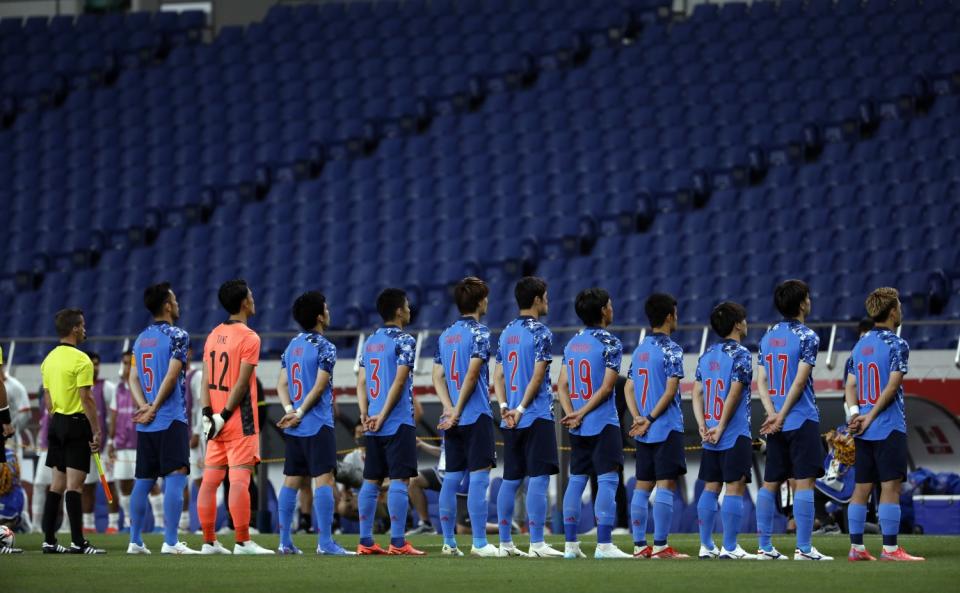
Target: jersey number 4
<point>225,365</point>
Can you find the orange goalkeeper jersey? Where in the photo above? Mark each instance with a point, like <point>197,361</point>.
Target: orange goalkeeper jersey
<point>228,345</point>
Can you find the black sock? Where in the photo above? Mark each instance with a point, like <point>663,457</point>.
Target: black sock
<point>51,507</point>
<point>75,513</point>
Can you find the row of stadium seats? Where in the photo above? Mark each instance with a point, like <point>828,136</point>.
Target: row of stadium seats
<point>415,228</point>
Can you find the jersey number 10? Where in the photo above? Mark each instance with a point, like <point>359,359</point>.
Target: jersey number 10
<point>873,391</point>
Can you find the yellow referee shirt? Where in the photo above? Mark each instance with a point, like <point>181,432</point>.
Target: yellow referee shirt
<point>65,370</point>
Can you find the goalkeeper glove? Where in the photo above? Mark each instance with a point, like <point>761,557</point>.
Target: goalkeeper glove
<point>213,423</point>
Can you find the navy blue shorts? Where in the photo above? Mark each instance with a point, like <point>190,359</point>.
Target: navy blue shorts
<point>661,461</point>
<point>163,451</point>
<point>393,456</point>
<point>598,454</point>
<point>729,465</point>
<point>881,461</point>
<point>796,454</point>
<point>310,456</point>
<point>530,451</point>
<point>470,447</point>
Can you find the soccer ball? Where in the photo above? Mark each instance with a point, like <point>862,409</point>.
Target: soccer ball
<point>6,536</point>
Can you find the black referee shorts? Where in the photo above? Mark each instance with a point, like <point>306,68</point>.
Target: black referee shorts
<point>68,442</point>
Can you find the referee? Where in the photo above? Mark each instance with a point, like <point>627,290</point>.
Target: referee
<point>74,431</point>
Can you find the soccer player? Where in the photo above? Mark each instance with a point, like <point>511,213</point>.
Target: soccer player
<point>228,394</point>
<point>385,396</point>
<point>103,394</point>
<point>721,404</point>
<point>306,392</point>
<point>874,397</point>
<point>163,438</point>
<point>653,398</point>
<point>74,431</point>
<point>788,353</point>
<point>17,414</point>
<point>592,364</point>
<point>6,420</point>
<point>526,409</point>
<point>460,376</point>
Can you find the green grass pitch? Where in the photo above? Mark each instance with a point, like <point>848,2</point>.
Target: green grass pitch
<point>33,572</point>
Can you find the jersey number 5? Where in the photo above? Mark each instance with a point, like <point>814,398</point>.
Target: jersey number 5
<point>145,359</point>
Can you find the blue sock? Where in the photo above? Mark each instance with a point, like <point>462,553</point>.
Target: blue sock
<point>398,501</point>
<point>638,516</point>
<point>505,503</point>
<point>856,517</point>
<point>706,511</point>
<point>662,516</point>
<point>731,512</point>
<point>606,506</point>
<point>537,506</point>
<point>477,506</point>
<point>173,485</point>
<point>448,507</point>
<point>766,506</point>
<point>323,512</point>
<point>286,506</point>
<point>138,509</point>
<point>367,507</point>
<point>572,501</point>
<point>889,515</point>
<point>803,514</point>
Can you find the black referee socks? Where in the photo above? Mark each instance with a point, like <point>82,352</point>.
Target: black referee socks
<point>75,513</point>
<point>51,507</point>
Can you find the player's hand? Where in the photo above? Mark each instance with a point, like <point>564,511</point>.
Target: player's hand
<point>772,424</point>
<point>704,433</point>
<point>145,415</point>
<point>572,420</point>
<point>511,417</point>
<point>714,434</point>
<point>859,424</point>
<point>95,442</point>
<point>448,421</point>
<point>213,423</point>
<point>142,409</point>
<point>194,441</point>
<point>111,452</point>
<point>639,428</point>
<point>364,420</point>
<point>8,430</point>
<point>288,421</point>
<point>376,422</point>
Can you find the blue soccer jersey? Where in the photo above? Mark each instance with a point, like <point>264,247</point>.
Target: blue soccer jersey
<point>655,360</point>
<point>587,356</point>
<point>525,342</point>
<point>466,339</point>
<point>386,350</point>
<point>721,365</point>
<point>305,356</point>
<point>782,349</point>
<point>153,351</point>
<point>877,354</point>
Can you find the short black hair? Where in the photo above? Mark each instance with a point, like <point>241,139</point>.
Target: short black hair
<point>307,308</point>
<point>155,297</point>
<point>726,316</point>
<point>67,319</point>
<point>658,307</point>
<point>232,293</point>
<point>469,293</point>
<point>789,295</point>
<point>388,301</point>
<point>589,305</point>
<point>865,325</point>
<point>94,356</point>
<point>528,289</point>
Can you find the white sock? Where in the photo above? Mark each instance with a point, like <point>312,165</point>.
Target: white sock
<point>39,501</point>
<point>858,547</point>
<point>115,520</point>
<point>124,501</point>
<point>89,521</point>
<point>658,549</point>
<point>890,549</point>
<point>156,504</point>
<point>184,521</point>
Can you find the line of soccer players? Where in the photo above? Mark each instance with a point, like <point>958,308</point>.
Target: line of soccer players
<point>590,368</point>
